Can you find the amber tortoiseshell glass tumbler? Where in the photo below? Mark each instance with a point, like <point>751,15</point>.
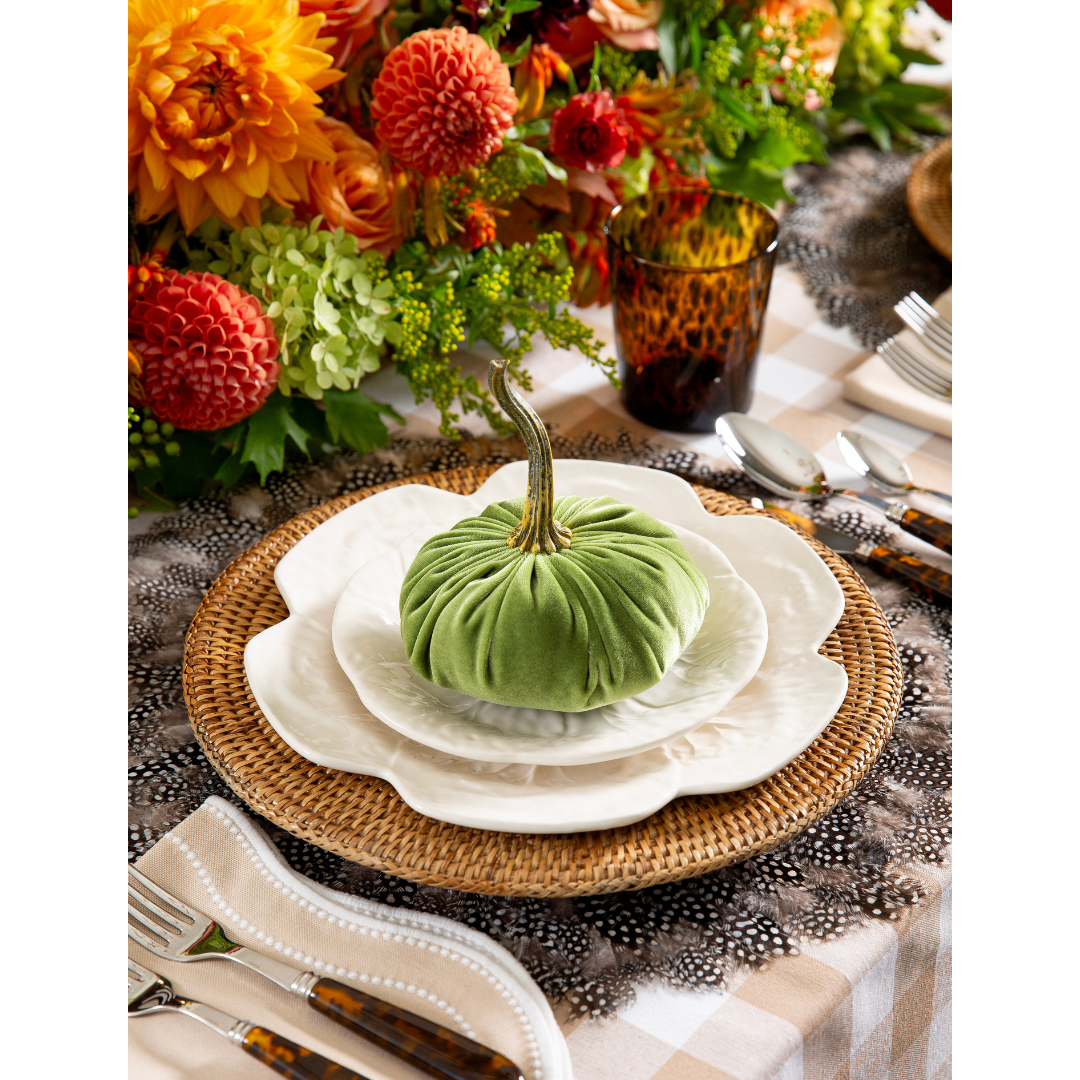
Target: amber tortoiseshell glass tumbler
<point>690,272</point>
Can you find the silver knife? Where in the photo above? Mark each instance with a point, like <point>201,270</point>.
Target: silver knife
<point>923,579</point>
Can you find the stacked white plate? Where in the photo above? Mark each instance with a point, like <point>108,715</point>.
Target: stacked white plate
<point>747,696</point>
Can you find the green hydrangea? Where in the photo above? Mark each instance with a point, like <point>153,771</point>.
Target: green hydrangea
<point>330,303</point>
<point>872,30</point>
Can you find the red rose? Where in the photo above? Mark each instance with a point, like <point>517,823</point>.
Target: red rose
<point>589,132</point>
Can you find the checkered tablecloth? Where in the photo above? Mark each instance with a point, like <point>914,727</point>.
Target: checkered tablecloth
<point>874,1004</point>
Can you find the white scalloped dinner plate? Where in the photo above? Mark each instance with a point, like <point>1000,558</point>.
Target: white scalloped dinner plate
<point>717,664</point>
<point>310,702</point>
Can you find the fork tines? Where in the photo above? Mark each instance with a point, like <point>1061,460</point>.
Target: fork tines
<point>927,323</point>
<point>915,371</point>
<point>160,922</point>
<point>930,312</point>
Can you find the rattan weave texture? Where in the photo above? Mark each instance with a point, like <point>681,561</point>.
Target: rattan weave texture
<point>929,196</point>
<point>363,819</point>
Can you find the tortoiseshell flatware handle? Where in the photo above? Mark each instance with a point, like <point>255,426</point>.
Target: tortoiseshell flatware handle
<point>931,529</point>
<point>292,1060</point>
<point>926,580</point>
<point>425,1045</point>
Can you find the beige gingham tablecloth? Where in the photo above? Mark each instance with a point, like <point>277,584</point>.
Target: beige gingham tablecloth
<point>872,1005</point>
<point>875,1003</point>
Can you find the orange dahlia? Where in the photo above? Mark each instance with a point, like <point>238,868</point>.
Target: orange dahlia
<point>352,22</point>
<point>442,101</point>
<point>222,104</point>
<point>355,192</point>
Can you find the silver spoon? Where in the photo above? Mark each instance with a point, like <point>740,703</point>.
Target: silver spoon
<point>783,465</point>
<point>881,467</point>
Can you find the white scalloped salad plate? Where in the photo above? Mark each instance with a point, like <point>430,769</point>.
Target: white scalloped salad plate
<point>309,701</point>
<point>717,664</point>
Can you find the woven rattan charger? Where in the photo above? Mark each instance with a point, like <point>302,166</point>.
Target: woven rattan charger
<point>363,819</point>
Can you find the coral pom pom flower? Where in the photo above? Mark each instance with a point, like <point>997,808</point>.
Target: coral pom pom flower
<point>222,104</point>
<point>442,101</point>
<point>206,350</point>
<point>589,132</point>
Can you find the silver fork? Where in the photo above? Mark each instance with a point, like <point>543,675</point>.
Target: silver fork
<point>911,370</point>
<point>159,922</point>
<point>149,993</point>
<point>929,371</point>
<point>932,327</point>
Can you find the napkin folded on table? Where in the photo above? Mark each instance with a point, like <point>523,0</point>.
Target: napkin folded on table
<point>220,863</point>
<point>876,386</point>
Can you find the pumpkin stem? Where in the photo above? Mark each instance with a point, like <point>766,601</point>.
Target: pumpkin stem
<point>538,532</point>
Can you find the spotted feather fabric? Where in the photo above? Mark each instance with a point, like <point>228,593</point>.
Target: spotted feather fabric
<point>855,245</point>
<point>587,953</point>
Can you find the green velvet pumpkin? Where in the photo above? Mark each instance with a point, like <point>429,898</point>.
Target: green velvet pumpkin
<point>521,608</point>
<point>569,630</point>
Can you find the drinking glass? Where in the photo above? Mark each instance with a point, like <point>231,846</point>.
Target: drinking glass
<point>690,276</point>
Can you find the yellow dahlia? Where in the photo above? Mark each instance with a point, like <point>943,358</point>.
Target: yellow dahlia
<point>222,106</point>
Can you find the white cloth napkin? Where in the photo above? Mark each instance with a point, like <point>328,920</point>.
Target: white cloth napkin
<point>219,862</point>
<point>876,386</point>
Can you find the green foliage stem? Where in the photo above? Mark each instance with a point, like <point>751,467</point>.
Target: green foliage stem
<point>504,296</point>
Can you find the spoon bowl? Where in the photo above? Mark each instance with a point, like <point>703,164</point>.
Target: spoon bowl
<point>880,466</point>
<point>774,459</point>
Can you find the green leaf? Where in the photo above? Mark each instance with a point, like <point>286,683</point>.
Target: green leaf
<point>666,31</point>
<point>747,180</point>
<point>906,93</point>
<point>912,56</point>
<point>859,108</point>
<point>533,164</point>
<point>528,129</point>
<point>738,111</point>
<point>516,7</point>
<point>519,54</point>
<point>231,471</point>
<point>772,152</point>
<point>267,431</point>
<point>352,419</point>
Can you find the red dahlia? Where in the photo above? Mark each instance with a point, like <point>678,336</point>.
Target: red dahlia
<point>589,132</point>
<point>206,348</point>
<point>442,101</point>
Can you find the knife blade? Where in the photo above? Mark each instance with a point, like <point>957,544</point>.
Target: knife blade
<point>926,580</point>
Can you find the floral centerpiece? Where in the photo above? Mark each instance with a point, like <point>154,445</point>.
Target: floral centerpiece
<point>322,187</point>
